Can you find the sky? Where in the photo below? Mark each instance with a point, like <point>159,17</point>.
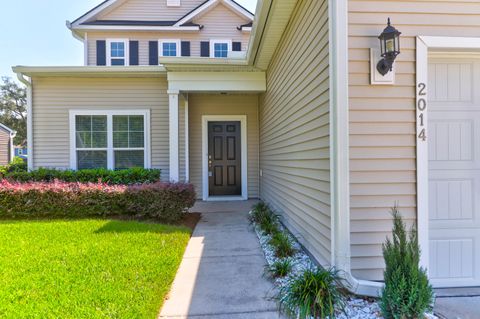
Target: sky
<point>34,33</point>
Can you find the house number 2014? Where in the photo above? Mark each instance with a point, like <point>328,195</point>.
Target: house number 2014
<point>422,108</point>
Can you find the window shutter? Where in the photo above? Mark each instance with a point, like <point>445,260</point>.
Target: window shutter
<point>185,48</point>
<point>204,49</point>
<point>101,52</point>
<point>133,52</point>
<point>236,46</point>
<point>153,52</point>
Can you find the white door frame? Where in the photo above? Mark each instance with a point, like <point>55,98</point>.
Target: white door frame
<point>424,44</point>
<point>243,124</point>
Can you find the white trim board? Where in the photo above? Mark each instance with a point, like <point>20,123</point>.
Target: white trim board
<point>209,5</point>
<point>244,144</point>
<point>110,149</point>
<point>426,44</point>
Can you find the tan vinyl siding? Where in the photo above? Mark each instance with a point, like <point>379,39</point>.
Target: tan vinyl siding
<point>4,147</point>
<point>209,104</point>
<point>54,97</point>
<point>150,10</point>
<point>294,129</point>
<point>382,118</point>
<point>219,23</point>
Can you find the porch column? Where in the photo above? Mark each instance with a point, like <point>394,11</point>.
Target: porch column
<point>173,134</point>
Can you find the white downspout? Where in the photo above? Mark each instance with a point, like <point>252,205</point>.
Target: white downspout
<point>12,146</point>
<point>28,84</point>
<point>339,151</point>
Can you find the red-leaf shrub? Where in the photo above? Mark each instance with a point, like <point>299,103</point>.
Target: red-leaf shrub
<point>167,202</point>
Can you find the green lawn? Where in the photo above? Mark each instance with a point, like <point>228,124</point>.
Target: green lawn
<point>87,268</point>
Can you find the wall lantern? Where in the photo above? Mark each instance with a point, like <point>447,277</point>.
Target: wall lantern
<point>390,46</point>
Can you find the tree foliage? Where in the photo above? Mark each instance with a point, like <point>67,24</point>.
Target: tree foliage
<point>13,108</point>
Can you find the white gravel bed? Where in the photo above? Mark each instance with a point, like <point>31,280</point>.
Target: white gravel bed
<point>355,308</point>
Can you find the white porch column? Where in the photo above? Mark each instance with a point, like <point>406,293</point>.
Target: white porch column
<point>173,134</point>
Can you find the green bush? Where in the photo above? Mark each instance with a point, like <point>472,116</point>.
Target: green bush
<point>17,165</point>
<point>166,202</point>
<point>263,216</point>
<point>312,294</point>
<point>120,177</point>
<point>280,268</point>
<point>282,245</point>
<point>407,293</point>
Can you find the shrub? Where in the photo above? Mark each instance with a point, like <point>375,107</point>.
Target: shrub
<point>280,268</point>
<point>312,294</point>
<point>265,218</point>
<point>407,292</point>
<point>120,177</point>
<point>282,245</point>
<point>166,202</point>
<point>17,165</point>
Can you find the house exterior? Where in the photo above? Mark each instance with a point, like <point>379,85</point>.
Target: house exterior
<point>6,144</point>
<point>21,151</point>
<point>299,118</point>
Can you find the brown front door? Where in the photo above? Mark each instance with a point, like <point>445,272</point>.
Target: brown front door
<point>224,158</point>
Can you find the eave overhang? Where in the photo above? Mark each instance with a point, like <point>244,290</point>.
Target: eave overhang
<point>91,71</point>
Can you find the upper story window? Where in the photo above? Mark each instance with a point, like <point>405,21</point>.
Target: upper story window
<point>117,52</point>
<point>169,47</point>
<point>220,48</point>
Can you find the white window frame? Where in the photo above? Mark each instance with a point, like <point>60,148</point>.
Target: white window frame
<point>173,3</point>
<point>217,41</point>
<point>162,41</point>
<point>126,42</point>
<point>110,149</point>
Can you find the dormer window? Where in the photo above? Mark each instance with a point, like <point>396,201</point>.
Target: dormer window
<point>117,52</point>
<point>169,48</point>
<point>173,3</point>
<point>220,48</point>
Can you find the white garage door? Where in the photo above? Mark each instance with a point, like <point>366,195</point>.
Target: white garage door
<point>454,172</point>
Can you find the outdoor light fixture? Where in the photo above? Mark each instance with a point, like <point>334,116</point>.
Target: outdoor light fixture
<point>390,46</point>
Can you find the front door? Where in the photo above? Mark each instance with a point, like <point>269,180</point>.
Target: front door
<point>224,159</point>
<point>454,172</point>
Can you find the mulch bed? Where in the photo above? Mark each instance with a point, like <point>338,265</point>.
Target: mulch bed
<point>191,220</point>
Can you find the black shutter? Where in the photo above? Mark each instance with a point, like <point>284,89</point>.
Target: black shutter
<point>185,48</point>
<point>153,52</point>
<point>237,46</point>
<point>101,52</point>
<point>205,49</point>
<point>133,52</point>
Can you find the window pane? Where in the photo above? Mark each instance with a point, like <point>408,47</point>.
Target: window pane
<point>83,122</point>
<point>120,139</point>
<point>99,123</point>
<point>136,139</point>
<point>99,140</point>
<point>91,159</point>
<point>169,49</point>
<point>117,49</point>
<point>84,139</point>
<point>120,122</point>
<point>136,123</point>
<point>220,50</point>
<point>128,131</point>
<point>118,61</point>
<point>128,159</point>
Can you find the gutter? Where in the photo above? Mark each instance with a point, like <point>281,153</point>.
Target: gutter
<point>339,152</point>
<point>28,83</point>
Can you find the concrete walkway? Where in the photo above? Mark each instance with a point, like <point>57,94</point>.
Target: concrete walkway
<point>222,272</point>
<point>458,303</point>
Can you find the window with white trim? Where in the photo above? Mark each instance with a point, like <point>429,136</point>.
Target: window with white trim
<point>220,48</point>
<point>117,52</point>
<point>113,140</point>
<point>169,48</point>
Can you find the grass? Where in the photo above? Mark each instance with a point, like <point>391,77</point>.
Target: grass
<point>87,268</point>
